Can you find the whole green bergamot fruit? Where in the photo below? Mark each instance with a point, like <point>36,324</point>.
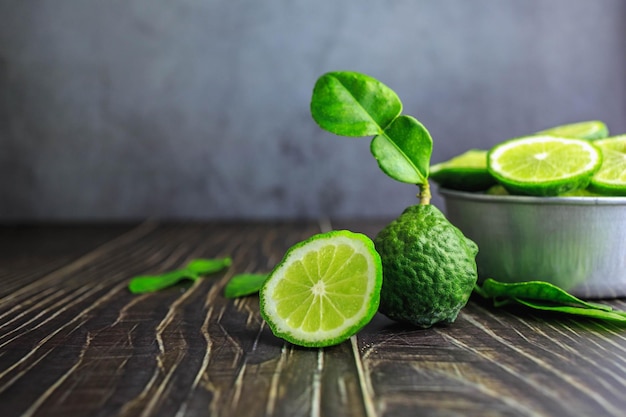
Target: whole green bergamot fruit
<point>429,267</point>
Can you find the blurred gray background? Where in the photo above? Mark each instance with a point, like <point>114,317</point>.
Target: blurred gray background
<point>199,109</point>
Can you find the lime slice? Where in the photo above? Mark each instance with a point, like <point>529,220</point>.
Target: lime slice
<point>583,192</point>
<point>499,189</point>
<point>324,290</point>
<point>544,165</point>
<point>467,172</point>
<point>592,129</point>
<point>611,178</point>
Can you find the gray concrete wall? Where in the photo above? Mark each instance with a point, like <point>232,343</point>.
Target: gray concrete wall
<point>200,108</point>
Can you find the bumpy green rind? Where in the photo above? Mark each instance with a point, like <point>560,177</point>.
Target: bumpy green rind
<point>373,302</point>
<point>429,267</point>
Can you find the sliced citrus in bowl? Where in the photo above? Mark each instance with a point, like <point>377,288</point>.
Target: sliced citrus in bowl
<point>544,165</point>
<point>499,189</point>
<point>325,289</point>
<point>591,130</point>
<point>466,172</point>
<point>611,177</point>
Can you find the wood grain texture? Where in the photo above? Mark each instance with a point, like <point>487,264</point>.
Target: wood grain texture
<point>75,342</point>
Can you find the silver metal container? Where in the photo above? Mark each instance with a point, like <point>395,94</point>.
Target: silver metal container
<point>577,243</point>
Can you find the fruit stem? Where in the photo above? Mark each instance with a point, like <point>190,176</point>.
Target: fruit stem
<point>424,194</point>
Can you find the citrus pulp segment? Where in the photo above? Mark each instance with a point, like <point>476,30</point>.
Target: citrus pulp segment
<point>324,290</point>
<point>591,130</point>
<point>467,172</point>
<point>544,165</point>
<point>611,177</point>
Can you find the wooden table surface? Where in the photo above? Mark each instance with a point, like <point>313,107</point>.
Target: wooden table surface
<point>75,342</point>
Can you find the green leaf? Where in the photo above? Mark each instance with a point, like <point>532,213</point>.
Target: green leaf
<point>535,290</point>
<point>193,270</point>
<point>603,314</point>
<point>403,150</point>
<point>244,284</point>
<point>208,266</point>
<point>353,104</point>
<point>151,283</point>
<point>545,296</point>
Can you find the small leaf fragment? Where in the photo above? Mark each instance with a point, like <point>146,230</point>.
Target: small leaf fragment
<point>151,283</point>
<point>193,270</point>
<point>208,266</point>
<point>244,284</point>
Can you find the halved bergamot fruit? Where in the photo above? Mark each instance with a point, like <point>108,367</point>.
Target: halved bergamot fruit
<point>324,290</point>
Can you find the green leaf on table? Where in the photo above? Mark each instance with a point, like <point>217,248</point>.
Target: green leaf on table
<point>208,266</point>
<point>534,290</point>
<point>192,271</point>
<point>596,313</point>
<point>403,150</point>
<point>244,284</point>
<point>353,104</point>
<point>545,296</point>
<point>152,283</point>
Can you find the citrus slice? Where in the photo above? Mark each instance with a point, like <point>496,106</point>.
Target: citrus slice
<point>582,192</point>
<point>544,165</point>
<point>324,290</point>
<point>592,129</point>
<point>466,172</point>
<point>499,189</point>
<point>611,178</point>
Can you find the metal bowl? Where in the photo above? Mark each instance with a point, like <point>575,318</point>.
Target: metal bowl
<point>577,243</point>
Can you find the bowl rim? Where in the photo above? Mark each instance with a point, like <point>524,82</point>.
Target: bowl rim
<point>523,199</point>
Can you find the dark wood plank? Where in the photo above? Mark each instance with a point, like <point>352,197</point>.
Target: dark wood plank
<point>75,342</point>
<point>495,362</point>
<point>28,252</point>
